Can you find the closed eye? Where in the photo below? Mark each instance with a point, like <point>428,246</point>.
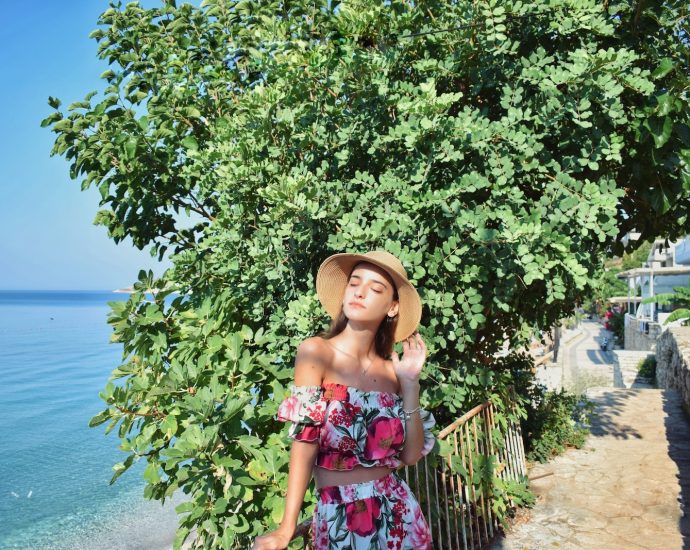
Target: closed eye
<point>377,291</point>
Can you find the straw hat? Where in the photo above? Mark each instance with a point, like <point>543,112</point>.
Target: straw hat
<point>333,276</point>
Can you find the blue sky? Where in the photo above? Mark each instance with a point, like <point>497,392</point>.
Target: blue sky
<point>47,238</point>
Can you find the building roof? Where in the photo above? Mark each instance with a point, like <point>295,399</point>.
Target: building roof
<point>624,299</point>
<point>636,272</point>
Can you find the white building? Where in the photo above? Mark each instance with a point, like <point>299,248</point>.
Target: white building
<point>667,266</point>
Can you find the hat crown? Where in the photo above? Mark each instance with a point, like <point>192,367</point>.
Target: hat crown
<point>389,260</point>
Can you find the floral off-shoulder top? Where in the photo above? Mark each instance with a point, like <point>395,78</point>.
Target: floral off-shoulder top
<point>353,427</point>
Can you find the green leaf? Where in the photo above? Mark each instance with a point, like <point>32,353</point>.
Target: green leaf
<point>130,148</point>
<point>660,128</point>
<point>121,467</point>
<point>190,143</point>
<point>665,66</point>
<point>180,536</point>
<point>100,418</point>
<point>185,507</point>
<point>151,473</point>
<point>50,119</point>
<point>220,505</point>
<point>278,510</point>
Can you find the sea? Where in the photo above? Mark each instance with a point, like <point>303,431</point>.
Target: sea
<point>55,358</point>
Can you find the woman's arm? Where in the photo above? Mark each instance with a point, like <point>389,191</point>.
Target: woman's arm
<point>302,458</point>
<point>408,370</point>
<point>310,363</point>
<point>414,430</point>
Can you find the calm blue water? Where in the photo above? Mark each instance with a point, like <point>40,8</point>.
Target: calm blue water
<point>55,357</point>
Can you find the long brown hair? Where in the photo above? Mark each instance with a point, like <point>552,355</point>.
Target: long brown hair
<point>385,334</point>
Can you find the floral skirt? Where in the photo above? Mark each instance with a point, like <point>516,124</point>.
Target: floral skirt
<point>371,515</point>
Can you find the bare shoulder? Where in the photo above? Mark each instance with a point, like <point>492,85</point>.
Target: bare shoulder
<point>312,360</point>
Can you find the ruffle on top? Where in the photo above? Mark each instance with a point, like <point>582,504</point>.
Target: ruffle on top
<point>353,427</point>
<point>306,409</point>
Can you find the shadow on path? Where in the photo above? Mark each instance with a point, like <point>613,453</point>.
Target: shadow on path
<point>607,419</point>
<point>599,357</point>
<point>677,428</point>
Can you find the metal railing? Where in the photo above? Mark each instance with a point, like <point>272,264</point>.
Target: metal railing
<point>456,490</point>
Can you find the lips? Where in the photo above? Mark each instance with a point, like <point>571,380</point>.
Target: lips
<point>356,304</point>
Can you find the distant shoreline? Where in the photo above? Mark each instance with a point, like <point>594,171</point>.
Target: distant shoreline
<point>130,290</point>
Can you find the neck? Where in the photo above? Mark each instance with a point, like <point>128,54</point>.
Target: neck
<point>358,342</point>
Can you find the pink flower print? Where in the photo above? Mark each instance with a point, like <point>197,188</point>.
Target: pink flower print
<point>400,491</point>
<point>347,444</point>
<point>317,412</point>
<point>386,400</point>
<point>314,531</point>
<point>384,436</point>
<point>399,510</point>
<point>348,492</point>
<point>329,438</point>
<point>361,515</point>
<point>289,409</point>
<point>336,461</point>
<point>385,485</point>
<point>420,535</point>
<point>330,495</point>
<point>340,418</point>
<point>320,536</point>
<point>352,410</point>
<point>333,391</point>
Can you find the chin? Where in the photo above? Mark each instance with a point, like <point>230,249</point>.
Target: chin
<point>356,313</point>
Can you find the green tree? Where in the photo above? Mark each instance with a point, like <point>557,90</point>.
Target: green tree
<point>637,257</point>
<point>499,149</point>
<point>604,286</point>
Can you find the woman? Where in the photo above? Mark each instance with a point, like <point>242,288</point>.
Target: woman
<point>355,413</point>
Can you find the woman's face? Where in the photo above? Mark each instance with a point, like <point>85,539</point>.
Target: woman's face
<point>369,294</point>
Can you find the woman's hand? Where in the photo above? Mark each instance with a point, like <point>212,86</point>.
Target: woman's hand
<point>275,540</point>
<point>414,353</point>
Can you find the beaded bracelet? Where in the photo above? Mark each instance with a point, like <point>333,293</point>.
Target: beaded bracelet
<point>408,414</point>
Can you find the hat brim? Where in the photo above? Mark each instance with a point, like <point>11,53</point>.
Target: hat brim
<point>332,278</point>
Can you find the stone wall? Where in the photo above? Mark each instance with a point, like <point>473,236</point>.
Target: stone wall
<point>673,361</point>
<point>639,337</point>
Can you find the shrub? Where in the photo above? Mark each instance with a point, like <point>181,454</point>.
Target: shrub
<point>647,367</point>
<point>555,420</point>
<point>616,324</point>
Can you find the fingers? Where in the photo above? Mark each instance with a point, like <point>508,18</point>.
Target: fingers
<point>406,345</point>
<point>414,341</point>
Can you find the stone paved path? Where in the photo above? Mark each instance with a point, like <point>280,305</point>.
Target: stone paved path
<point>584,363</point>
<point>627,486</point>
<point>624,488</point>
